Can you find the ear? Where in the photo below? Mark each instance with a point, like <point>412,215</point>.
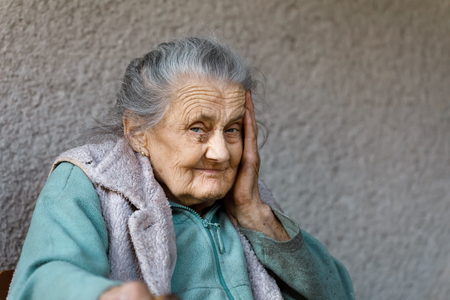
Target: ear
<point>136,138</point>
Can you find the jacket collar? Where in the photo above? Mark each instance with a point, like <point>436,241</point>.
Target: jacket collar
<point>105,164</point>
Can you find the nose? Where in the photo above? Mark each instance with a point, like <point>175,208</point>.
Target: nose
<point>217,149</point>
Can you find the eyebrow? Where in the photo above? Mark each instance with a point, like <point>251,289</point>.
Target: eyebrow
<point>237,118</point>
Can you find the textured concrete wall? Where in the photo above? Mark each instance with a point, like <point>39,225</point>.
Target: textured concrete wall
<point>358,112</point>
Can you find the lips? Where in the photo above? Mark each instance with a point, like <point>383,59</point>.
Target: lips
<point>210,171</point>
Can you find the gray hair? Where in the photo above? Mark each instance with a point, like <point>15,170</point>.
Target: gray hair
<point>149,82</point>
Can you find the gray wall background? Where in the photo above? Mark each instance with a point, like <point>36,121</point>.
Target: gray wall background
<point>358,112</point>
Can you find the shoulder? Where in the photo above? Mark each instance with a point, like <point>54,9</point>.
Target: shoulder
<point>66,174</point>
<point>69,200</point>
<point>111,164</point>
<point>88,155</point>
<point>68,183</point>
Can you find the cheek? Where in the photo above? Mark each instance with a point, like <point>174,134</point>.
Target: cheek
<point>236,151</point>
<point>189,155</point>
<point>182,163</point>
<point>175,167</point>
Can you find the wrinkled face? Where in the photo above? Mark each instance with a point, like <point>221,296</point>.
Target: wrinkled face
<point>196,149</point>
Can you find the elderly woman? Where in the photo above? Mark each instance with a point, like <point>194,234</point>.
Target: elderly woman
<point>173,204</point>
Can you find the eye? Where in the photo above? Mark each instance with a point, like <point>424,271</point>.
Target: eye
<point>233,130</point>
<point>197,129</point>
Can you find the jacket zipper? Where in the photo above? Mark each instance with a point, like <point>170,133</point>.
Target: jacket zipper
<point>207,225</point>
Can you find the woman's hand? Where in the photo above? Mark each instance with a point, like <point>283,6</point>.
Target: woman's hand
<point>132,290</point>
<point>244,201</point>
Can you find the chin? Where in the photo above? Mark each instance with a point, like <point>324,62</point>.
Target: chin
<point>202,190</point>
<point>202,197</point>
<point>212,196</point>
<point>210,192</point>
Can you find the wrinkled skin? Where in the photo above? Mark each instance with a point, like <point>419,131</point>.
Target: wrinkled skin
<point>200,154</point>
<point>195,150</point>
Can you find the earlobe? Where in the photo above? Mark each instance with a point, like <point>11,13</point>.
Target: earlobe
<point>138,141</point>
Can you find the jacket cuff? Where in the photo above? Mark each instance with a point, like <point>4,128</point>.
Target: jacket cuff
<point>266,247</point>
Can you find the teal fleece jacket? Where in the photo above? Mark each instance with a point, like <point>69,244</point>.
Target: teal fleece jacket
<point>65,253</point>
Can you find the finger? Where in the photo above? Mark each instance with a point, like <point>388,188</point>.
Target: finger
<point>250,140</point>
<point>250,106</point>
<point>248,100</point>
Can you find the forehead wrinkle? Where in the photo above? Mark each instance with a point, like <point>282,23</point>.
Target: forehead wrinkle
<point>190,96</point>
<point>217,90</point>
<point>201,92</point>
<point>210,113</point>
<point>212,96</point>
<point>201,113</point>
<point>189,108</point>
<point>194,88</point>
<point>191,103</point>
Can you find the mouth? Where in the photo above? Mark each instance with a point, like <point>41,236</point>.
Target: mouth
<point>210,170</point>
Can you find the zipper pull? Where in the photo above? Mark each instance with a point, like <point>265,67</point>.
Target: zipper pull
<point>218,234</point>
<point>219,237</point>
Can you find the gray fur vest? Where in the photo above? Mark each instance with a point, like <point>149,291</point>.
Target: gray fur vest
<point>138,218</point>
